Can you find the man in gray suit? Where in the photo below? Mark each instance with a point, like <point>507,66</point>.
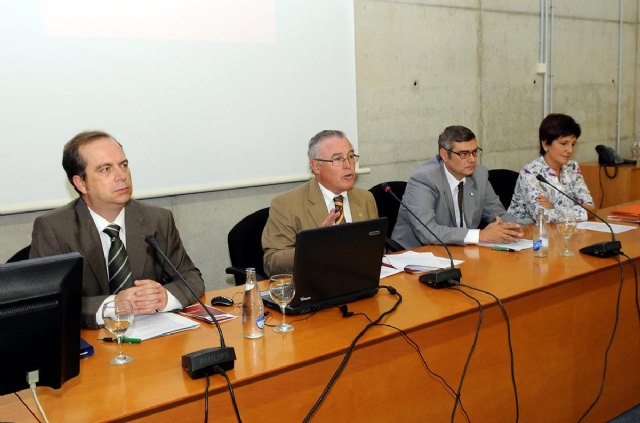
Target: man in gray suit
<point>98,169</point>
<point>444,186</point>
<point>313,204</point>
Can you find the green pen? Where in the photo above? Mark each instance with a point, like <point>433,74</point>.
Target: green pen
<point>503,249</point>
<point>127,340</point>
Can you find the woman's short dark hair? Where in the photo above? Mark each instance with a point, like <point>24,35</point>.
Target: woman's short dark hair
<point>554,126</point>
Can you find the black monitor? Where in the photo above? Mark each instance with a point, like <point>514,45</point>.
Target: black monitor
<point>40,306</point>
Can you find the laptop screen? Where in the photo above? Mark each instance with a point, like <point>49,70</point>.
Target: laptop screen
<point>336,264</point>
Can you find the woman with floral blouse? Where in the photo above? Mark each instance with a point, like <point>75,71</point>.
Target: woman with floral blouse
<point>558,136</point>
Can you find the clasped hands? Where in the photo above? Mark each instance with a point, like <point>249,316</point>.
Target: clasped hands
<point>146,296</point>
<point>501,232</point>
<point>544,202</point>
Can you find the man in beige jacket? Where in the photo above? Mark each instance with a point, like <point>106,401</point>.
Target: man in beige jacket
<point>327,199</point>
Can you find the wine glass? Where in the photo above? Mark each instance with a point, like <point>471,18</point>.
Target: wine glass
<point>118,317</point>
<point>282,289</point>
<point>566,227</point>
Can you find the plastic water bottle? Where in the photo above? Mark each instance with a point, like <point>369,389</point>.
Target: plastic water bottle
<point>252,308</point>
<point>544,233</point>
<point>540,236</point>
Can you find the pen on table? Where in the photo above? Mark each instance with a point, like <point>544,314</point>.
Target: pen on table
<point>127,340</point>
<point>503,249</point>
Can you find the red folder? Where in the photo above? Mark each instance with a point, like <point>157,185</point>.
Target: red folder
<point>632,210</point>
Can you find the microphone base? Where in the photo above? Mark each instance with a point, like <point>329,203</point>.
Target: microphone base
<point>442,278</point>
<point>603,249</point>
<point>200,363</point>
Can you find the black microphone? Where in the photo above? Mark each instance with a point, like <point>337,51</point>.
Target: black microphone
<point>439,278</point>
<point>200,363</point>
<point>599,249</point>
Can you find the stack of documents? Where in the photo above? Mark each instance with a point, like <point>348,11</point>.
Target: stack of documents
<point>414,262</point>
<point>630,213</point>
<point>147,326</point>
<point>519,245</point>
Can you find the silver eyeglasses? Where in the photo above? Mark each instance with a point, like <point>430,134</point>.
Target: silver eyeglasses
<point>466,154</point>
<point>339,161</point>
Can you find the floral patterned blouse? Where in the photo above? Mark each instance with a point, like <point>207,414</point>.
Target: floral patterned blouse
<point>524,205</point>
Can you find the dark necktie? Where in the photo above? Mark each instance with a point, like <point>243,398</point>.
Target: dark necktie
<point>338,200</point>
<point>460,197</point>
<point>119,268</point>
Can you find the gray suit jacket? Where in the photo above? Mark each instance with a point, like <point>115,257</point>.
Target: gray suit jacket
<point>303,208</point>
<point>429,197</point>
<point>71,228</point>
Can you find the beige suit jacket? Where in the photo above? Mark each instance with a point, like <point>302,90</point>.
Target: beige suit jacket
<point>303,208</point>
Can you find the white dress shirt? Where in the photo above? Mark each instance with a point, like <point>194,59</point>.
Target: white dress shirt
<point>473,235</point>
<point>101,223</point>
<point>328,200</point>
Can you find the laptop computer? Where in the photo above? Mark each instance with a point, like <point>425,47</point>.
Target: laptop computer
<point>335,265</point>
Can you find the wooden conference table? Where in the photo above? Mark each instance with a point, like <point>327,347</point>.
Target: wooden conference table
<point>561,310</point>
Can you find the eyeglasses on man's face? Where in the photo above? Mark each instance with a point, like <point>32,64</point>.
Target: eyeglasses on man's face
<point>466,154</point>
<point>339,161</point>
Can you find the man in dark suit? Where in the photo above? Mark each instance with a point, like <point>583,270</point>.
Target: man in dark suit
<point>98,169</point>
<point>452,195</point>
<point>312,205</point>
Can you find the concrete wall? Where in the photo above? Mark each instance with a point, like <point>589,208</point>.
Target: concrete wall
<point>424,65</point>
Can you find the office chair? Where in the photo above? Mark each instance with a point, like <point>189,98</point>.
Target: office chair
<point>23,254</point>
<point>245,246</point>
<point>388,207</point>
<point>503,182</point>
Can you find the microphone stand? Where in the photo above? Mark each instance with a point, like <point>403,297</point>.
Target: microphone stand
<point>599,249</point>
<point>203,362</point>
<point>439,278</point>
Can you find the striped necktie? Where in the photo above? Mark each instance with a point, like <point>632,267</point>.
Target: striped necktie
<point>338,200</point>
<point>119,268</point>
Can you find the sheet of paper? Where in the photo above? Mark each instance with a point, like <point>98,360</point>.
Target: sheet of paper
<point>399,261</point>
<point>388,271</point>
<point>147,326</point>
<point>521,244</point>
<point>601,227</point>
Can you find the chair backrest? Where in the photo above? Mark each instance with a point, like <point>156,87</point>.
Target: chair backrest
<point>503,182</point>
<point>23,254</point>
<point>387,205</point>
<point>245,244</point>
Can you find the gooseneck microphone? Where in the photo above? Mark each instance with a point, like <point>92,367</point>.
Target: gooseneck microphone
<point>599,249</point>
<point>439,278</point>
<point>200,363</point>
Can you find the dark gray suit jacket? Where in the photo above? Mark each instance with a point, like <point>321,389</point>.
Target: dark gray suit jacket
<point>71,228</point>
<point>429,197</point>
